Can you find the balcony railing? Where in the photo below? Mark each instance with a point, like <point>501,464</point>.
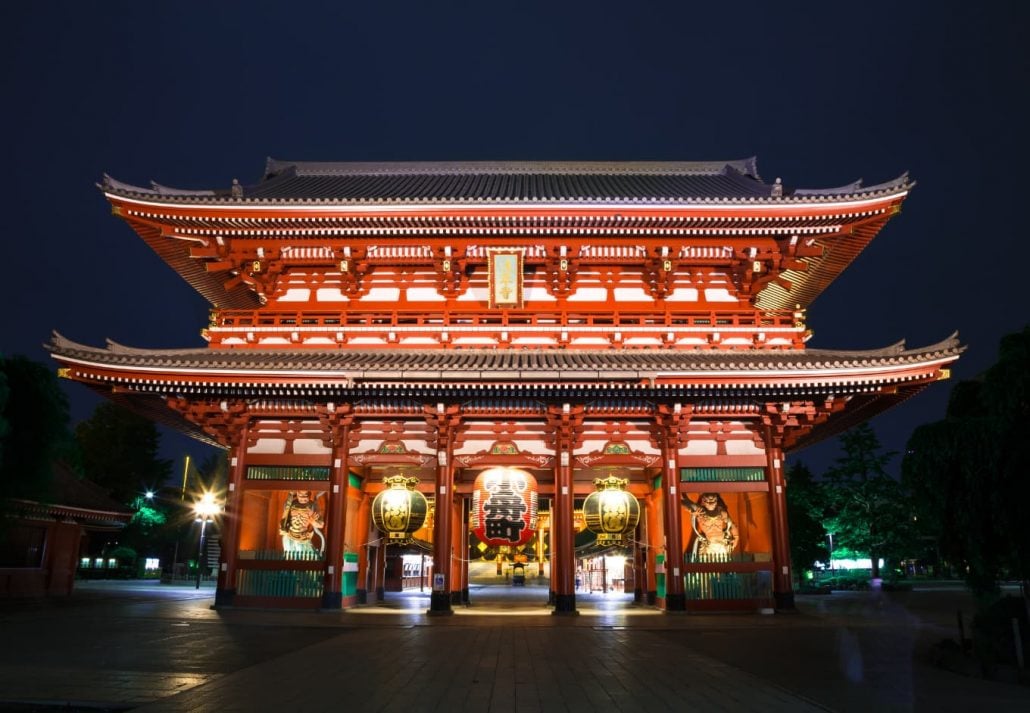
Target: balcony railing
<point>454,328</point>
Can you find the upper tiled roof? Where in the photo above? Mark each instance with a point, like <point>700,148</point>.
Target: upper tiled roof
<point>545,182</point>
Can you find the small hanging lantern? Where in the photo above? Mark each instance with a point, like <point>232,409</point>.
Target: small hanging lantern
<point>610,511</point>
<point>504,507</point>
<point>399,510</point>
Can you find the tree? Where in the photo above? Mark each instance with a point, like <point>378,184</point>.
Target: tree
<point>806,507</point>
<point>35,434</point>
<point>969,471</point>
<point>214,471</point>
<point>1006,401</point>
<point>120,452</point>
<point>870,512</point>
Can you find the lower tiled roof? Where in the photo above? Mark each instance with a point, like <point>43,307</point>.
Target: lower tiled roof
<point>540,364</point>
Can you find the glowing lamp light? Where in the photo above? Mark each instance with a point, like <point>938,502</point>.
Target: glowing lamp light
<point>504,507</point>
<point>610,511</point>
<point>399,510</point>
<point>206,508</point>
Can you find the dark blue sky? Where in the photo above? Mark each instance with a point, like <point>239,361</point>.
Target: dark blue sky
<point>193,96</point>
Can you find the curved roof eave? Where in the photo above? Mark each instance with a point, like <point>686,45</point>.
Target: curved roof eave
<point>432,365</point>
<point>279,174</point>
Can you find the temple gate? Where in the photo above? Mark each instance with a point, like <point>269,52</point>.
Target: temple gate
<point>568,322</point>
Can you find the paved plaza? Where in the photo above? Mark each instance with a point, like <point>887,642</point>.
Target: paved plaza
<point>147,647</point>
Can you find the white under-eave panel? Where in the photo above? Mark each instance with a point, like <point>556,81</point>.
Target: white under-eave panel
<point>718,294</point>
<point>537,294</point>
<point>683,294</point>
<point>296,294</point>
<point>700,448</point>
<point>310,446</point>
<point>632,294</point>
<point>475,294</point>
<point>330,294</point>
<point>424,294</point>
<point>589,294</point>
<point>382,294</point>
<point>268,445</point>
<point>743,447</point>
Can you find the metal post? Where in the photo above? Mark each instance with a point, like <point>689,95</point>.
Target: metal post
<point>200,547</point>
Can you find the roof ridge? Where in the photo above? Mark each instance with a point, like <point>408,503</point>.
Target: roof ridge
<point>747,166</point>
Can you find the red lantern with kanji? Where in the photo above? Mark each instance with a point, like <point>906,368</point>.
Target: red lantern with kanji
<point>504,507</point>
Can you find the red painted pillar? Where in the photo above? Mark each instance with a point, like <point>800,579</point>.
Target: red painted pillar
<point>336,521</point>
<point>563,560</point>
<point>440,598</point>
<point>379,573</point>
<point>783,584</point>
<point>464,549</point>
<point>654,546</point>
<point>639,581</point>
<point>364,537</point>
<point>231,521</point>
<point>675,599</point>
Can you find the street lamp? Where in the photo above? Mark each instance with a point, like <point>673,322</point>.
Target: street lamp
<point>830,535</point>
<point>205,509</point>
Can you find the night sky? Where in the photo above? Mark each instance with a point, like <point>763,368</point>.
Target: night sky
<point>193,96</point>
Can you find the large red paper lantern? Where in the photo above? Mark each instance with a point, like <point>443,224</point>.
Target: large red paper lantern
<point>504,507</point>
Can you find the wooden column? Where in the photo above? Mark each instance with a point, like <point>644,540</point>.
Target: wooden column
<point>445,419</point>
<point>232,518</point>
<point>675,599</point>
<point>336,520</point>
<point>464,540</point>
<point>639,554</point>
<point>783,584</point>
<point>563,557</point>
<point>364,564</point>
<point>669,421</point>
<point>379,571</point>
<point>457,543</point>
<point>654,544</point>
<point>564,421</point>
<point>440,598</point>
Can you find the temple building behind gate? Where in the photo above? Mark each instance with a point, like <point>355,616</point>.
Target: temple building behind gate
<point>458,356</point>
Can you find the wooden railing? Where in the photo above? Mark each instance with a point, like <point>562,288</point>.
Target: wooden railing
<point>514,328</point>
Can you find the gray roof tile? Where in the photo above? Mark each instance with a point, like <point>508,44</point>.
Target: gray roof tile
<point>523,365</point>
<point>505,182</point>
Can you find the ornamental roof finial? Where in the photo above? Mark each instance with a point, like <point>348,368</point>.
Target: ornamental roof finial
<point>237,189</point>
<point>777,189</point>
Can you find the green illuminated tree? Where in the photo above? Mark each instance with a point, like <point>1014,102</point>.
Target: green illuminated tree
<point>870,513</point>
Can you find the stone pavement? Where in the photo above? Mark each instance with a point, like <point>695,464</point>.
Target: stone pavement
<point>121,646</point>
